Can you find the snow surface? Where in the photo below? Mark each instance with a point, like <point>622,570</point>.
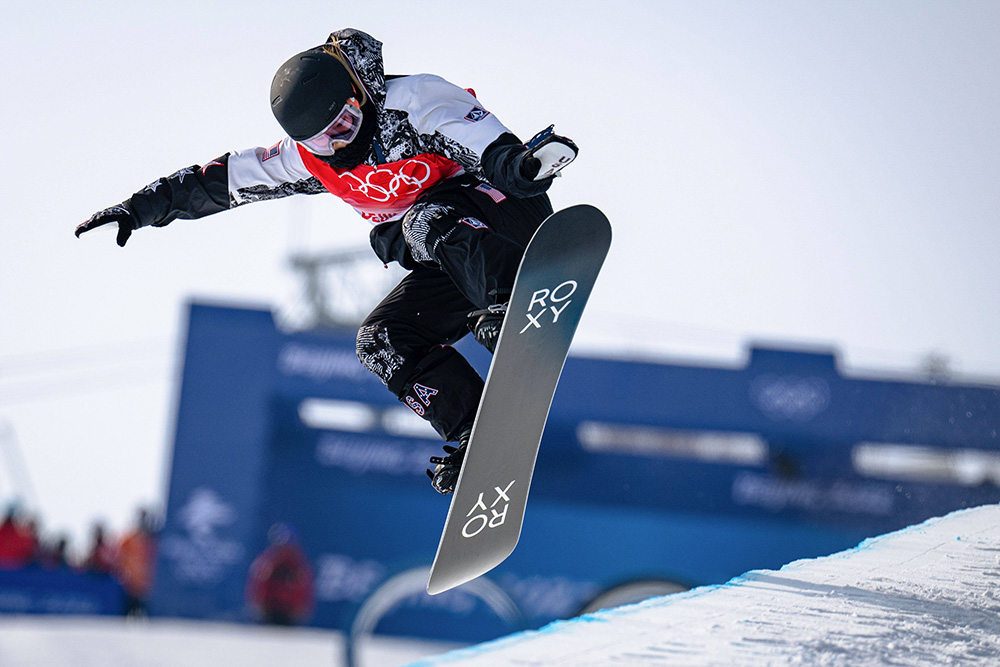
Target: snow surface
<point>110,642</point>
<point>926,595</point>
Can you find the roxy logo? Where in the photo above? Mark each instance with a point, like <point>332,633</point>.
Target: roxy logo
<point>548,303</point>
<point>481,517</point>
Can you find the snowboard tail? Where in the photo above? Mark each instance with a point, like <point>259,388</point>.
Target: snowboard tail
<point>554,282</point>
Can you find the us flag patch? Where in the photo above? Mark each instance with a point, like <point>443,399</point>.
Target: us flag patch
<point>477,114</point>
<point>271,152</point>
<point>491,192</point>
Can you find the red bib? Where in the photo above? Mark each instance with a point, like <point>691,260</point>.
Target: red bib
<point>386,191</point>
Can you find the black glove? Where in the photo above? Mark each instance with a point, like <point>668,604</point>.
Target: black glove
<point>526,170</point>
<point>529,167</point>
<point>120,213</point>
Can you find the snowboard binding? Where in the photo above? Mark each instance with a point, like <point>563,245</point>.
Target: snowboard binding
<point>486,324</point>
<point>444,477</point>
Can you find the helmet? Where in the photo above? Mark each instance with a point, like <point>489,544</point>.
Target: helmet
<point>309,91</point>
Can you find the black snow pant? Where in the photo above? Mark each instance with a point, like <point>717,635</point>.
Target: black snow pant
<point>463,242</point>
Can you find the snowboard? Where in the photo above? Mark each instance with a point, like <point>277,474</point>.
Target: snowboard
<point>554,281</point>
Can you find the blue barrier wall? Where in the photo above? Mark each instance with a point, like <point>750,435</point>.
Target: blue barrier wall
<point>35,590</point>
<point>647,472</point>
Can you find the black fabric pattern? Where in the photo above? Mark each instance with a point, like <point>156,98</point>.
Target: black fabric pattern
<point>376,353</point>
<point>364,52</point>
<point>309,186</point>
<point>439,143</point>
<point>417,228</point>
<point>398,138</point>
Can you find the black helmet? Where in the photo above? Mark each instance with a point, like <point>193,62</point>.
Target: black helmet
<point>309,90</point>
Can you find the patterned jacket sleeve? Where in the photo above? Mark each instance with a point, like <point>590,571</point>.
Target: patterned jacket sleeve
<point>229,181</point>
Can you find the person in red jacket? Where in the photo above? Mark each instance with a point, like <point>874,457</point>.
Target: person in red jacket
<point>280,584</point>
<point>17,543</point>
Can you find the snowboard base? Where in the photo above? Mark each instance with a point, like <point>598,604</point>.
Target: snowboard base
<point>554,282</point>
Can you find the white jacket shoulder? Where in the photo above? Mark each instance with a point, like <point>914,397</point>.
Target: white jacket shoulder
<point>434,105</point>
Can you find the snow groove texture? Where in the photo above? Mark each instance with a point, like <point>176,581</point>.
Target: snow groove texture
<point>925,595</point>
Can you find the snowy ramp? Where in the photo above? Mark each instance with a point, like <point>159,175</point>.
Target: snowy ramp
<point>928,594</point>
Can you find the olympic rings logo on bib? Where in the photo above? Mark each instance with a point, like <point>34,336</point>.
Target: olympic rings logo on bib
<point>383,184</point>
<point>384,191</point>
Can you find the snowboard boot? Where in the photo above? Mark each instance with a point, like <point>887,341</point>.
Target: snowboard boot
<point>486,325</point>
<point>446,468</point>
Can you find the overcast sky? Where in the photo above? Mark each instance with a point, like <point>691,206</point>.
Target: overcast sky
<point>807,174</point>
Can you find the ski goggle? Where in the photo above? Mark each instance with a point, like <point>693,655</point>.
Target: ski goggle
<point>344,128</point>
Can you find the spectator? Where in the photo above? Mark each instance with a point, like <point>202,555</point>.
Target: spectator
<point>280,584</point>
<point>102,554</point>
<point>134,566</point>
<point>55,555</point>
<point>17,544</point>
<point>33,537</point>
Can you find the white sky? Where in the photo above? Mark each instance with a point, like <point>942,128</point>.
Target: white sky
<point>820,173</point>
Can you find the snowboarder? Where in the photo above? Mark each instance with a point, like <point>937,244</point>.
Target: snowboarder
<point>452,194</point>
